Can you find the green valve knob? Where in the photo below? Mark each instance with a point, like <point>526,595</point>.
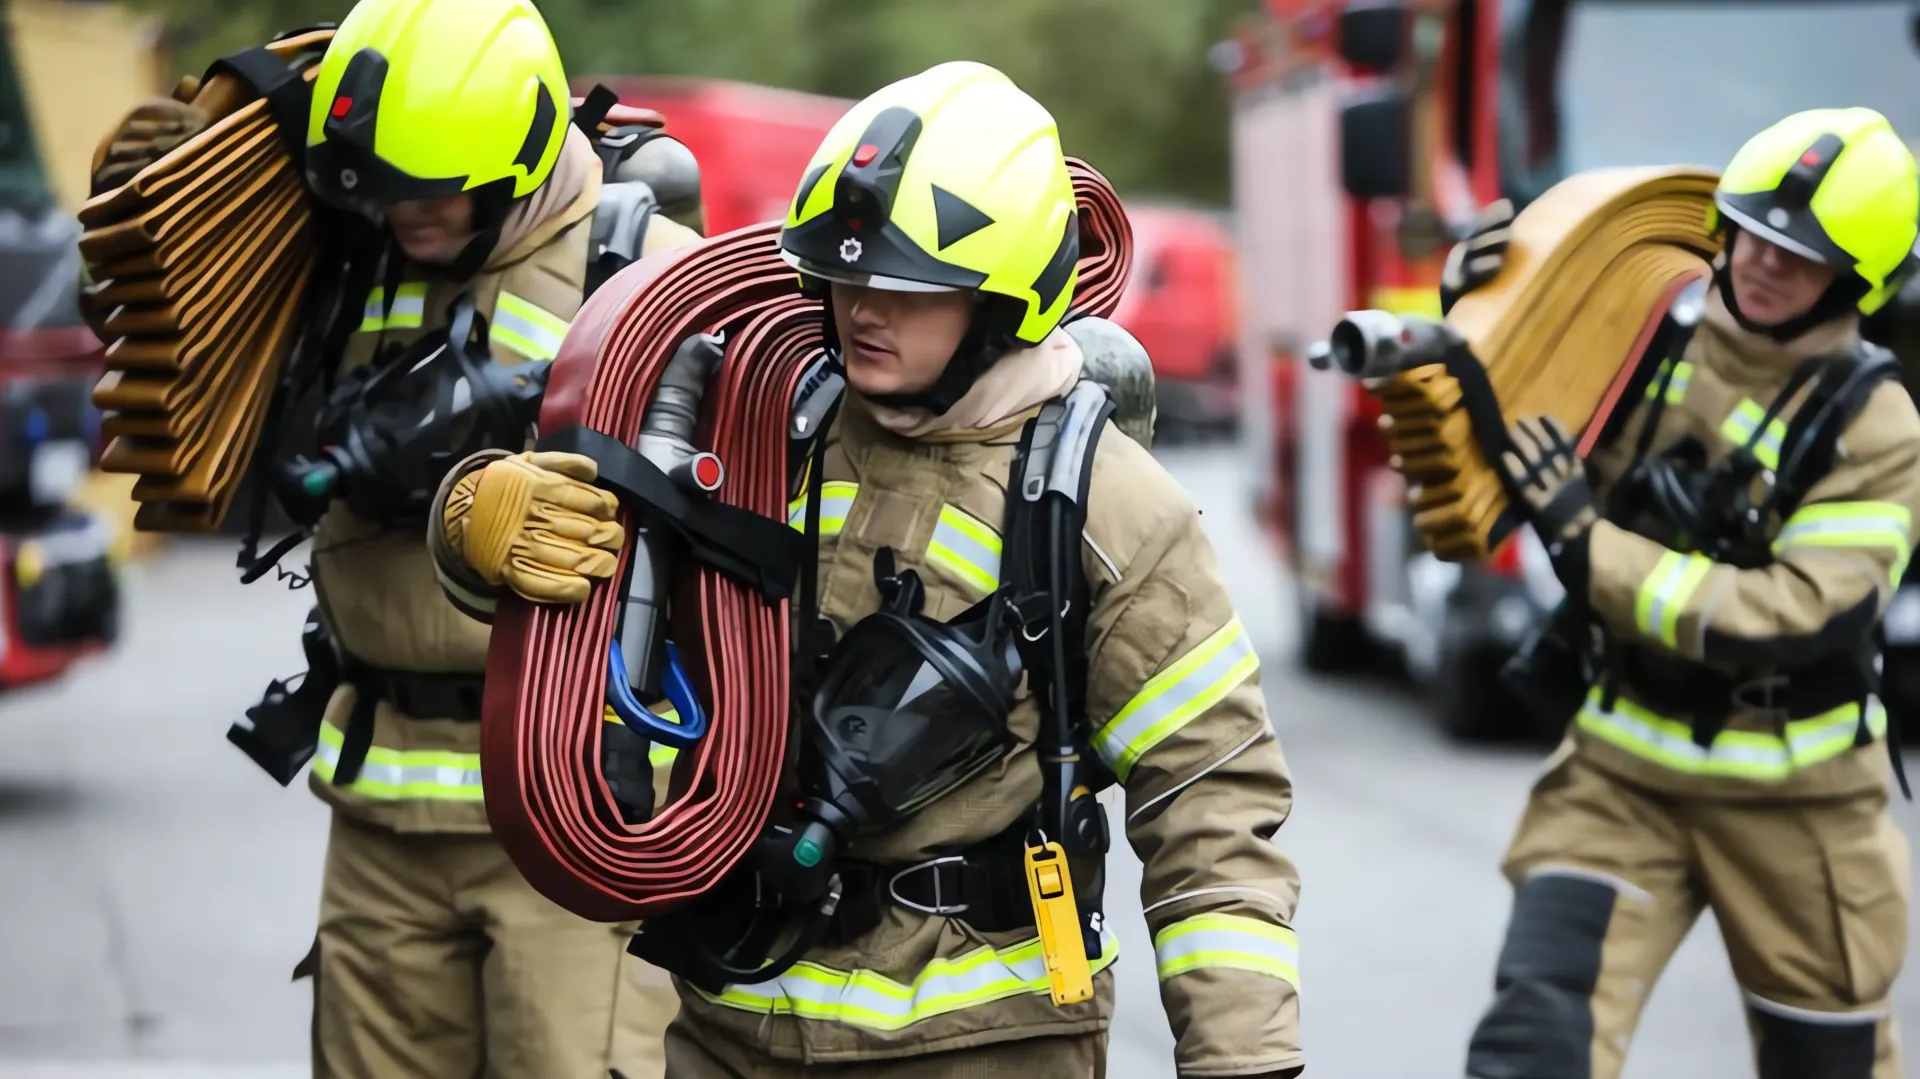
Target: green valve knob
<point>807,853</point>
<point>316,483</point>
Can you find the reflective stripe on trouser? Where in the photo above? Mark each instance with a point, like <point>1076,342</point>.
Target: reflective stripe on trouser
<point>1745,420</point>
<point>1851,524</point>
<point>1174,697</point>
<point>863,998</point>
<point>836,501</point>
<point>396,774</point>
<point>1677,387</point>
<point>967,547</point>
<point>1227,941</point>
<point>1665,592</point>
<point>527,328</point>
<point>1735,754</point>
<point>408,312</point>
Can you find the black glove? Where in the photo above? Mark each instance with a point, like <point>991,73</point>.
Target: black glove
<point>1477,259</point>
<point>1551,482</point>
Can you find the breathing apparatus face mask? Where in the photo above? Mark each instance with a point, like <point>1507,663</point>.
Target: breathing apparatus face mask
<point>390,431</point>
<point>909,708</point>
<point>906,710</point>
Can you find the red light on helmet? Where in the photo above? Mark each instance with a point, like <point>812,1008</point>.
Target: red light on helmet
<point>341,106</point>
<point>1810,159</point>
<point>864,156</point>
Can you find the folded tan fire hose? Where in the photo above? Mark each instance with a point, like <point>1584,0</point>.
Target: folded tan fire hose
<point>201,262</point>
<point>547,666</point>
<point>1590,271</point>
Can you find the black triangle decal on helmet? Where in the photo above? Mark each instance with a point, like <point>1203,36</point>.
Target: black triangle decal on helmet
<point>955,217</point>
<point>1053,277</point>
<point>545,113</point>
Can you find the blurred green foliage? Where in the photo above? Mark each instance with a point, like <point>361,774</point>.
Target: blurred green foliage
<point>1128,80</point>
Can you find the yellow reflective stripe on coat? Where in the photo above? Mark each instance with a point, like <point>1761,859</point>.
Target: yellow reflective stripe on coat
<point>1175,696</point>
<point>409,310</point>
<point>526,328</point>
<point>1227,942</point>
<point>1677,386</point>
<point>657,755</point>
<point>863,998</point>
<point>392,775</point>
<point>836,501</point>
<point>966,546</point>
<point>1665,592</point>
<point>1851,524</point>
<point>1745,420</point>
<point>1734,754</point>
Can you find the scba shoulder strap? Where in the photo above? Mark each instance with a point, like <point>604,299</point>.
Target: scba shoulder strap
<point>619,227</point>
<point>1045,516</point>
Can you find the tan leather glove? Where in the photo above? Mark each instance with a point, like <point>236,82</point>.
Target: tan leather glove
<point>535,523</point>
<point>148,134</point>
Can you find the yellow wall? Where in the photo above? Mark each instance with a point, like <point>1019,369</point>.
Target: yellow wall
<point>82,67</point>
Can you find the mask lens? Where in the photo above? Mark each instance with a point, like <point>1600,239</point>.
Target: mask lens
<point>897,731</point>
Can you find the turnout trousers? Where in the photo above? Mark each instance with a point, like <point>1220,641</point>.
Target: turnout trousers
<point>1810,897</point>
<point>435,959</point>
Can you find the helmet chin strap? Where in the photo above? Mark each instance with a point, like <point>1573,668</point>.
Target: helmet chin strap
<point>1841,297</point>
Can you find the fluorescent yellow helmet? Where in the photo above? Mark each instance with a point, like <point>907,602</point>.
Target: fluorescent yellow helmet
<point>419,99</point>
<point>950,179</point>
<point>1834,185</point>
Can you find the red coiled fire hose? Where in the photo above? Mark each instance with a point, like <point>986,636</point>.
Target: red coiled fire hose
<point>547,666</point>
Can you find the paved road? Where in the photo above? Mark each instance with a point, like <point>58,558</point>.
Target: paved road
<point>155,889</point>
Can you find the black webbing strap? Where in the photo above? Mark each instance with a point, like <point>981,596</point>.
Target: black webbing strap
<point>592,109</point>
<point>1489,430</point>
<point>288,95</point>
<point>761,553</point>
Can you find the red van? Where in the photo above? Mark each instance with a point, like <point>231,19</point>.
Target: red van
<point>1180,304</point>
<point>752,142</point>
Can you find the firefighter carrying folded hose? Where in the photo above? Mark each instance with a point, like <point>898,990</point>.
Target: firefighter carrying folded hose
<point>938,222</point>
<point>441,126</point>
<point>1726,556</point>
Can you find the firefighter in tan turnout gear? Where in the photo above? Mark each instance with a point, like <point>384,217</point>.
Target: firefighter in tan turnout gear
<point>1734,545</point>
<point>445,124</point>
<point>937,220</point>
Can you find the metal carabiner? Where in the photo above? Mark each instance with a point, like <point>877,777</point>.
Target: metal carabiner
<point>674,685</point>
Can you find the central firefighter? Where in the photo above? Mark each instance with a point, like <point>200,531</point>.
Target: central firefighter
<point>938,224</point>
<point>1726,556</point>
<point>440,127</point>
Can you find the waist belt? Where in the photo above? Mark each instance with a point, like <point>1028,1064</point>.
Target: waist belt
<point>1675,687</point>
<point>550,814</point>
<point>1606,252</point>
<point>421,696</point>
<point>984,885</point>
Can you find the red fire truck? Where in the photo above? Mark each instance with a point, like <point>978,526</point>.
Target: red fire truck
<point>59,592</point>
<point>1365,135</point>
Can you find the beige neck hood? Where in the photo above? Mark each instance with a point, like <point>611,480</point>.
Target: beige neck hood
<point>1021,379</point>
<point>571,193</point>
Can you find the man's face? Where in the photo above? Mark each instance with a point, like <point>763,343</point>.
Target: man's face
<point>1771,284</point>
<point>433,230</point>
<point>898,342</point>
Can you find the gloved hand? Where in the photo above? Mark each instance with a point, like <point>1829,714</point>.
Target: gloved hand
<point>1477,259</point>
<point>1552,482</point>
<point>535,523</point>
<point>148,134</point>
